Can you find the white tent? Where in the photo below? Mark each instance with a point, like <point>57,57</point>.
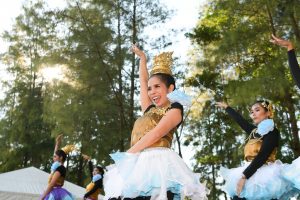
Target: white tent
<point>29,183</point>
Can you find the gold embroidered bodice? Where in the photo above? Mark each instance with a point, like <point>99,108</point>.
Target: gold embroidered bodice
<point>253,147</point>
<point>147,122</point>
<point>89,187</point>
<point>59,182</point>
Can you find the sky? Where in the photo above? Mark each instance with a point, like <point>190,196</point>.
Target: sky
<point>185,17</point>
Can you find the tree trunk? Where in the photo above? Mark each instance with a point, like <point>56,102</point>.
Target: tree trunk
<point>120,81</point>
<point>132,74</point>
<point>295,26</point>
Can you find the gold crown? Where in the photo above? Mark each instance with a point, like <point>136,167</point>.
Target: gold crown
<point>162,63</point>
<point>68,148</point>
<point>269,107</point>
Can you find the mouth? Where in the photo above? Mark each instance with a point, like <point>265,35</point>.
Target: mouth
<point>156,99</point>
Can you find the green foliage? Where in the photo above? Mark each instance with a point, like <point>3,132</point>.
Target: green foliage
<point>94,104</point>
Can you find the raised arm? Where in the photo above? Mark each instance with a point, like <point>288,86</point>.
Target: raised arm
<point>144,76</point>
<point>244,124</point>
<point>57,142</point>
<point>293,63</point>
<point>88,159</point>
<point>172,118</point>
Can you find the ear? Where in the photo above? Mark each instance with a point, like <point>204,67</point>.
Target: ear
<point>171,88</point>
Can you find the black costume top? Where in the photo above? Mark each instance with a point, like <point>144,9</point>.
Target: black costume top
<point>62,171</point>
<point>294,66</point>
<point>93,189</point>
<point>269,143</point>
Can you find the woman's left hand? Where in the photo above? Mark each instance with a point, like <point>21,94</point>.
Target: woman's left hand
<point>240,185</point>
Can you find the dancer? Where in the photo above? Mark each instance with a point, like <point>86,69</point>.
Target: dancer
<point>54,190</point>
<point>93,189</point>
<point>150,169</point>
<point>260,177</point>
<point>293,63</point>
<point>291,172</point>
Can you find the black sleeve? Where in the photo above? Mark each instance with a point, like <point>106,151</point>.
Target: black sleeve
<point>91,169</point>
<point>270,142</point>
<point>98,185</point>
<point>244,124</point>
<point>294,66</point>
<point>176,105</point>
<point>62,170</point>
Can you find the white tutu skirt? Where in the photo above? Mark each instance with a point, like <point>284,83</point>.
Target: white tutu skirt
<point>152,172</point>
<point>292,173</point>
<point>265,184</point>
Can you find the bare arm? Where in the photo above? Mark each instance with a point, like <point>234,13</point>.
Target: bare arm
<point>144,76</point>
<point>57,142</point>
<point>167,123</point>
<point>50,186</point>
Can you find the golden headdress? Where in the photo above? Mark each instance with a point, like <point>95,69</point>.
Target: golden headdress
<point>69,148</point>
<point>162,63</point>
<point>269,107</point>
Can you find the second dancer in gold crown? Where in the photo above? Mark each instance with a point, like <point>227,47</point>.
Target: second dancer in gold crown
<point>150,169</point>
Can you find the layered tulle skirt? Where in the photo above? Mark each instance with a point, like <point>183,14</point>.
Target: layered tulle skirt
<point>265,184</point>
<point>59,193</point>
<point>292,173</point>
<point>153,172</point>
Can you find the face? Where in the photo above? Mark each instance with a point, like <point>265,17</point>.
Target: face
<point>57,158</point>
<point>96,171</point>
<point>157,91</point>
<point>258,113</point>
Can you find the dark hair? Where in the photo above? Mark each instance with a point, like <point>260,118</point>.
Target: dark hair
<point>261,102</point>
<point>61,153</point>
<point>166,79</point>
<point>100,169</point>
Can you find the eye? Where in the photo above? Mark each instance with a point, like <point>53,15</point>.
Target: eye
<point>149,88</point>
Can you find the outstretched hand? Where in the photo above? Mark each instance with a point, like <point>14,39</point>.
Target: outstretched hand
<point>137,51</point>
<point>86,157</point>
<point>222,105</point>
<point>281,42</point>
<point>59,138</point>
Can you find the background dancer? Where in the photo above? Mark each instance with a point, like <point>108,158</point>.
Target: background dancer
<point>291,172</point>
<point>94,188</point>
<point>54,190</point>
<point>259,178</point>
<point>150,169</point>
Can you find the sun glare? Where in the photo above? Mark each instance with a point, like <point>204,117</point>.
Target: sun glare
<point>53,73</point>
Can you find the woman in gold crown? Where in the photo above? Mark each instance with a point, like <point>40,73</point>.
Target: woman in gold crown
<point>260,177</point>
<point>150,169</point>
<point>54,190</point>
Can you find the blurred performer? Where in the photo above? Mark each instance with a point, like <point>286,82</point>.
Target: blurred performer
<point>54,191</point>
<point>94,188</point>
